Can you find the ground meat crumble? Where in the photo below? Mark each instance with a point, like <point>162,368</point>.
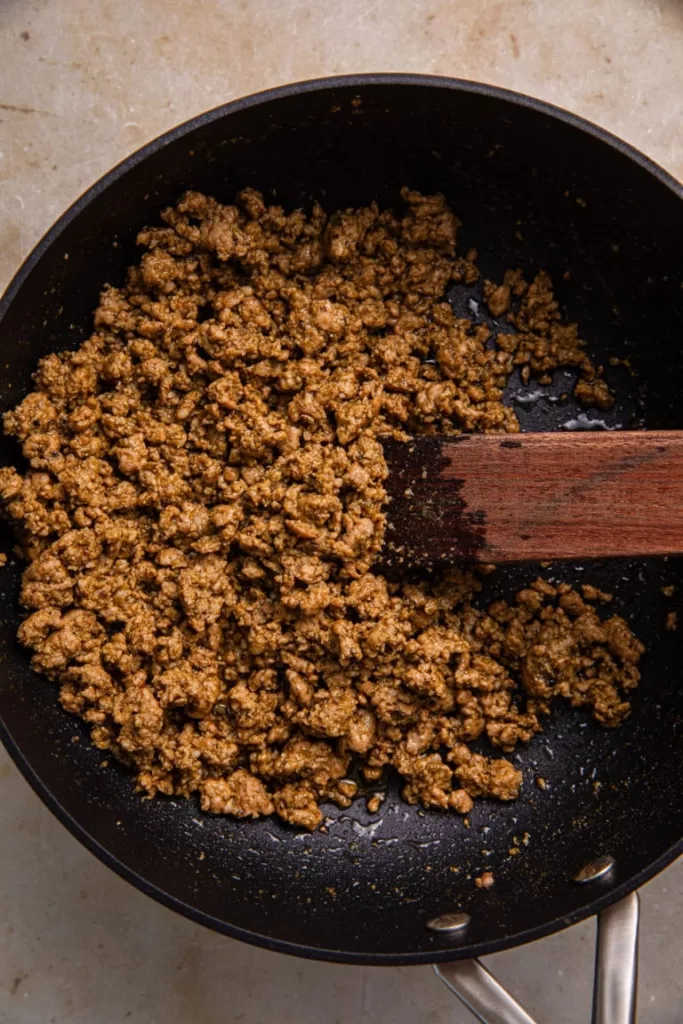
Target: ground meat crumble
<point>203,505</point>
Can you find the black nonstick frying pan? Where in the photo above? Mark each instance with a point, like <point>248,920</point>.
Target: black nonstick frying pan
<point>534,187</point>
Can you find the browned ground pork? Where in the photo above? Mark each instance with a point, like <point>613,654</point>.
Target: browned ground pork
<point>204,503</point>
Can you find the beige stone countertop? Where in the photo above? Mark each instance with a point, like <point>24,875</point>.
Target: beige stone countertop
<point>83,84</point>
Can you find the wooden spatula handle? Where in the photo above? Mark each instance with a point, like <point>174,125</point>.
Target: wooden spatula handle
<point>522,497</point>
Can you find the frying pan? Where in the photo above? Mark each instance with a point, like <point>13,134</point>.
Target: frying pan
<point>535,187</point>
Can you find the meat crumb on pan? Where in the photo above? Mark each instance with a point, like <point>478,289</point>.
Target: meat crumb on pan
<point>485,881</point>
<point>374,802</point>
<point>204,501</point>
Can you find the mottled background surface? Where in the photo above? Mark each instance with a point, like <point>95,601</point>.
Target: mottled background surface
<point>82,84</point>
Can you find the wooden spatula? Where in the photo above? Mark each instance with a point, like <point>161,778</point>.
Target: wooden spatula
<point>533,497</point>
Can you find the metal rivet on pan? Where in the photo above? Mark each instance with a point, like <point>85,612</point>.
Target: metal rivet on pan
<point>597,868</point>
<point>449,924</point>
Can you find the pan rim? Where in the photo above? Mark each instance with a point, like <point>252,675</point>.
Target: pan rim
<point>318,85</point>
<point>77,829</point>
<point>463,951</point>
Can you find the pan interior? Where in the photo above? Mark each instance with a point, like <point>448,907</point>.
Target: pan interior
<point>532,191</point>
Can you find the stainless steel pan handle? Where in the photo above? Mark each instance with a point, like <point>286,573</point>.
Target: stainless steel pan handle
<point>481,993</point>
<point>616,975</point>
<point>616,963</point>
